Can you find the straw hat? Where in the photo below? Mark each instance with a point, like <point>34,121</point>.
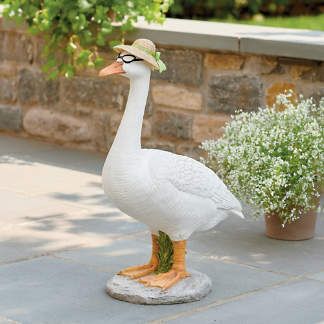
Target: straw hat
<point>144,49</point>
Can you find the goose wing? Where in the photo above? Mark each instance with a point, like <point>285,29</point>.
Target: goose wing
<point>190,176</point>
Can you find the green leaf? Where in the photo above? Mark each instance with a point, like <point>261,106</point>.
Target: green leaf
<point>89,21</point>
<point>165,254</point>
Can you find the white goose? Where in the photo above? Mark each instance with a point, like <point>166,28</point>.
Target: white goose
<point>167,192</point>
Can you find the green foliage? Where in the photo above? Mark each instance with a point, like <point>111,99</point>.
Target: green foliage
<point>299,22</point>
<point>165,254</point>
<point>76,30</point>
<point>242,9</point>
<point>273,159</point>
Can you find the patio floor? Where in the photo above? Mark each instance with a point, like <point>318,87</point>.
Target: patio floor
<point>61,239</point>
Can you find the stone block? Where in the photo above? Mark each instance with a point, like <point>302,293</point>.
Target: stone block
<point>17,47</point>
<point>27,87</point>
<point>160,145</point>
<point>227,93</point>
<point>149,108</point>
<point>173,124</point>
<point>208,126</point>
<point>48,91</point>
<point>260,64</point>
<point>57,126</point>
<point>8,90</point>
<point>33,88</point>
<point>2,43</point>
<point>177,96</point>
<point>317,94</point>
<point>303,71</point>
<point>222,61</point>
<point>277,88</point>
<point>115,122</point>
<point>100,122</point>
<point>94,92</point>
<point>321,72</point>
<point>146,129</point>
<point>8,69</point>
<point>10,118</point>
<point>189,149</point>
<point>183,66</point>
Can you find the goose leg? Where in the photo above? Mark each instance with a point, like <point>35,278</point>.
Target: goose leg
<point>145,269</point>
<point>175,274</point>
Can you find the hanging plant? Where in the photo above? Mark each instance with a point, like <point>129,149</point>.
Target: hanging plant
<point>75,31</point>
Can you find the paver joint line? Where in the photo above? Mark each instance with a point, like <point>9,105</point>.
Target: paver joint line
<point>224,301</point>
<point>251,266</point>
<point>44,254</point>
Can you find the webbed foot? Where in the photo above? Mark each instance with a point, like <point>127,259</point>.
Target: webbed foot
<point>138,271</point>
<point>164,280</point>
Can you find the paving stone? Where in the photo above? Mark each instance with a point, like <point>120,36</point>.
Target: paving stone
<point>243,241</point>
<point>317,276</point>
<point>50,154</point>
<point>7,321</point>
<point>19,208</point>
<point>12,145</point>
<point>10,118</point>
<point>52,290</point>
<point>298,302</point>
<point>228,280</point>
<point>73,214</point>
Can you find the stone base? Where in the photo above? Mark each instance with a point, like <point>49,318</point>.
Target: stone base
<point>190,289</point>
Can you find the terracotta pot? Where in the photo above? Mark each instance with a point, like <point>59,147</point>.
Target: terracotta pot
<point>302,229</point>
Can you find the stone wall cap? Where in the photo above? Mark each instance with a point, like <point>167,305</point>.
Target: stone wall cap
<point>240,38</point>
<point>297,43</point>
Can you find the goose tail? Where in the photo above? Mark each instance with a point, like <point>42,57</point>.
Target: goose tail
<point>238,213</point>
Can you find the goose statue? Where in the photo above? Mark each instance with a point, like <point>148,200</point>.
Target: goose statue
<point>168,192</point>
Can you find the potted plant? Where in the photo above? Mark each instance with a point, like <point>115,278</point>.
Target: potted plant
<point>273,160</point>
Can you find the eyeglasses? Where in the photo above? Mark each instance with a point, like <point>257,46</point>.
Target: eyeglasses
<point>128,58</point>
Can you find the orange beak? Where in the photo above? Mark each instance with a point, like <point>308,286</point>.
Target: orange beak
<point>114,68</point>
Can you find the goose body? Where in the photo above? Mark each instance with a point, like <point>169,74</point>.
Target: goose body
<point>168,192</point>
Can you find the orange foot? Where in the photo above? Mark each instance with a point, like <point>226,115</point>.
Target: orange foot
<point>164,280</point>
<point>138,271</point>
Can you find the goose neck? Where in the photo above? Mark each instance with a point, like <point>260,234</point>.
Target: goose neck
<point>128,137</point>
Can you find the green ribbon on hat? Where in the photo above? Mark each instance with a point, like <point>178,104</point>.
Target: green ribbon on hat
<point>162,66</point>
<point>156,55</point>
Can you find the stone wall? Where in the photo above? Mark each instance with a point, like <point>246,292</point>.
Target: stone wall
<point>188,103</point>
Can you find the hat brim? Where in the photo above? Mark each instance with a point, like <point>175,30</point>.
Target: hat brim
<point>138,53</point>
